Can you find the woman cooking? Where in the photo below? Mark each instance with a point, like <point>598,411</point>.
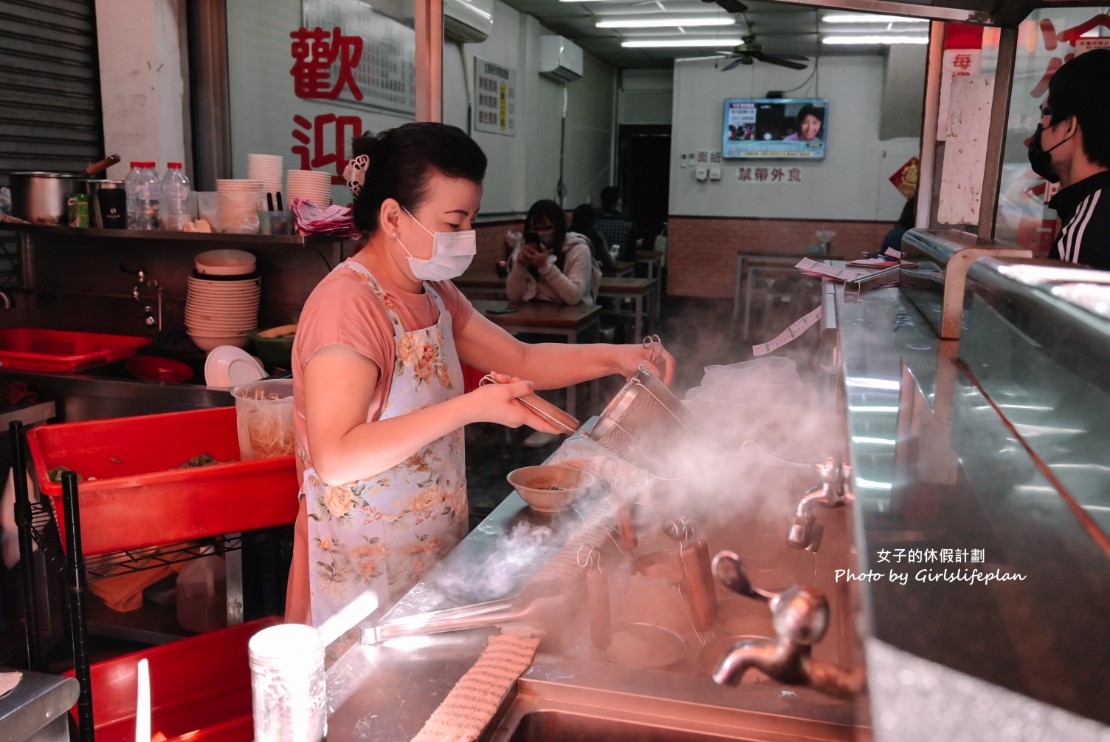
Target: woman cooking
<point>378,392</point>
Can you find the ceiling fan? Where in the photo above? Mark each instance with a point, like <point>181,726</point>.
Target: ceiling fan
<point>749,51</point>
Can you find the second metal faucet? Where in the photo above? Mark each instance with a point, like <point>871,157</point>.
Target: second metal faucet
<point>800,617</point>
<point>805,532</point>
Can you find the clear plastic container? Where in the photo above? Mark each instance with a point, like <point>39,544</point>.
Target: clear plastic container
<point>264,418</point>
<point>150,195</point>
<point>131,186</point>
<point>201,594</point>
<point>174,205</point>
<point>288,687</point>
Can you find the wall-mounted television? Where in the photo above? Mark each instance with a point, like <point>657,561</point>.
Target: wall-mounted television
<point>775,128</point>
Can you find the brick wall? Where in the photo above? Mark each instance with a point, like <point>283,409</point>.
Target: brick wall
<point>491,244</point>
<point>701,252</point>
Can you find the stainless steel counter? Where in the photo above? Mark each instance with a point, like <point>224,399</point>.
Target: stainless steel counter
<point>987,597</point>
<point>386,690</point>
<point>979,591</point>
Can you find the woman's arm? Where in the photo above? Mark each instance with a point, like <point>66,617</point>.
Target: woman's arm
<point>482,344</point>
<point>339,385</point>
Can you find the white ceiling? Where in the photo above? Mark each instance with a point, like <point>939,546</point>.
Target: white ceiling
<point>781,28</point>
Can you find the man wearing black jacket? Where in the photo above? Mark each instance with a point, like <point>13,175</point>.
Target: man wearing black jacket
<point>1072,145</point>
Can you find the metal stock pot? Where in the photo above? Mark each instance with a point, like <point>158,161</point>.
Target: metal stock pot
<point>40,197</point>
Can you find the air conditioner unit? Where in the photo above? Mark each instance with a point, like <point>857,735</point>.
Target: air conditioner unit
<point>468,21</point>
<point>560,59</point>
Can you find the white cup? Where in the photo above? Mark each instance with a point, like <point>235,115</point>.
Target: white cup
<point>287,684</point>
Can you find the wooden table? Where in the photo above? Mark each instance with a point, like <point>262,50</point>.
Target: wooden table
<point>653,259</point>
<point>644,293</point>
<point>575,323</point>
<point>624,268</point>
<point>481,285</point>
<point>750,259</point>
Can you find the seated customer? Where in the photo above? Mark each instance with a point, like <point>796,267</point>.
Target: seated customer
<point>893,239</point>
<point>583,221</point>
<point>551,264</point>
<point>617,228</point>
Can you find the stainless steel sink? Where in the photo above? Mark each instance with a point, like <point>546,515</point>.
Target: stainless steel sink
<point>556,711</point>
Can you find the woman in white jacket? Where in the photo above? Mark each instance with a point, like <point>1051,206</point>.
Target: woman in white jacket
<point>550,263</point>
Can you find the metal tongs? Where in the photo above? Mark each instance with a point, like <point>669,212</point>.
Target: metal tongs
<point>564,421</point>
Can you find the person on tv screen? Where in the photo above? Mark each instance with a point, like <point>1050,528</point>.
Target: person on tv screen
<point>808,124</point>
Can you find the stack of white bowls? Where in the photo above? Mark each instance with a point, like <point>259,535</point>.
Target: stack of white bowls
<point>221,303</point>
<point>238,201</point>
<point>268,169</point>
<point>314,185</point>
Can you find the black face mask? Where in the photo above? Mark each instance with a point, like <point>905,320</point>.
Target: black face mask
<point>1041,159</point>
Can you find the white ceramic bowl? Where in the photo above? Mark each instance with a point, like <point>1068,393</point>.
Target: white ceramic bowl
<point>549,489</point>
<point>211,342</point>
<point>224,262</point>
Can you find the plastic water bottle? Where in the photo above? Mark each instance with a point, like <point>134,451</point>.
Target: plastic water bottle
<point>150,193</point>
<point>174,206</point>
<point>134,202</point>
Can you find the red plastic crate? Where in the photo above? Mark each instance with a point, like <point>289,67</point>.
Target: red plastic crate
<point>200,688</point>
<point>140,497</point>
<point>33,349</point>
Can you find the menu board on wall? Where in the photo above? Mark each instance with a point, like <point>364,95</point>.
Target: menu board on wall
<point>365,54</point>
<point>494,97</point>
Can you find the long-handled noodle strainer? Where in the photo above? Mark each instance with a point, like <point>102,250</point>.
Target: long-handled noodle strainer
<point>643,422</point>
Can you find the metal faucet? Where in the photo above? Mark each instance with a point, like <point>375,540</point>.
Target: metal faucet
<point>805,532</point>
<point>800,616</point>
<point>153,312</point>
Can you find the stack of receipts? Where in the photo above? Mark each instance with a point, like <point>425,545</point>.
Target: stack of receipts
<point>824,270</point>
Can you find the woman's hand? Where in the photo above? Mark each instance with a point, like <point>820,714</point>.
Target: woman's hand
<point>633,356</point>
<point>534,255</point>
<point>498,403</point>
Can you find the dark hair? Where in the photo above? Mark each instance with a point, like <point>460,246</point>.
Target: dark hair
<point>909,213</point>
<point>403,159</point>
<point>549,211</point>
<point>1081,88</point>
<point>583,220</point>
<point>809,110</point>
<point>609,197</point>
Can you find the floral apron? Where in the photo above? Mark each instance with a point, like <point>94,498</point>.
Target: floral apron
<point>380,534</point>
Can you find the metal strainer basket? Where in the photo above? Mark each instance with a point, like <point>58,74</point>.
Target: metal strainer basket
<point>642,424</point>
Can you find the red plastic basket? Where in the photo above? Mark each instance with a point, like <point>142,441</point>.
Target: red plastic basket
<point>33,349</point>
<point>134,493</point>
<point>200,688</point>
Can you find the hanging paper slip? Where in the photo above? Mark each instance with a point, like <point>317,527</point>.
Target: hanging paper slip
<point>788,335</point>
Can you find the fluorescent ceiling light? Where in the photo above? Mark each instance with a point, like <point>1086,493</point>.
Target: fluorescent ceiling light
<point>676,43</point>
<point>873,40</point>
<point>665,22</point>
<point>868,18</point>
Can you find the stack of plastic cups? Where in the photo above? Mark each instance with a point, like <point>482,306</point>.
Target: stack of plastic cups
<point>287,684</point>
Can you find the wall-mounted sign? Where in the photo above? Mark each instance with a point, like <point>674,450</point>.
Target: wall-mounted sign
<point>768,174</point>
<point>353,55</point>
<point>494,97</point>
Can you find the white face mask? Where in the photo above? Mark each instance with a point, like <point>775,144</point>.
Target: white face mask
<point>451,254</point>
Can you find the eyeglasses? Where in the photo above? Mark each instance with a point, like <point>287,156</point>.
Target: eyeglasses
<point>1046,111</point>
